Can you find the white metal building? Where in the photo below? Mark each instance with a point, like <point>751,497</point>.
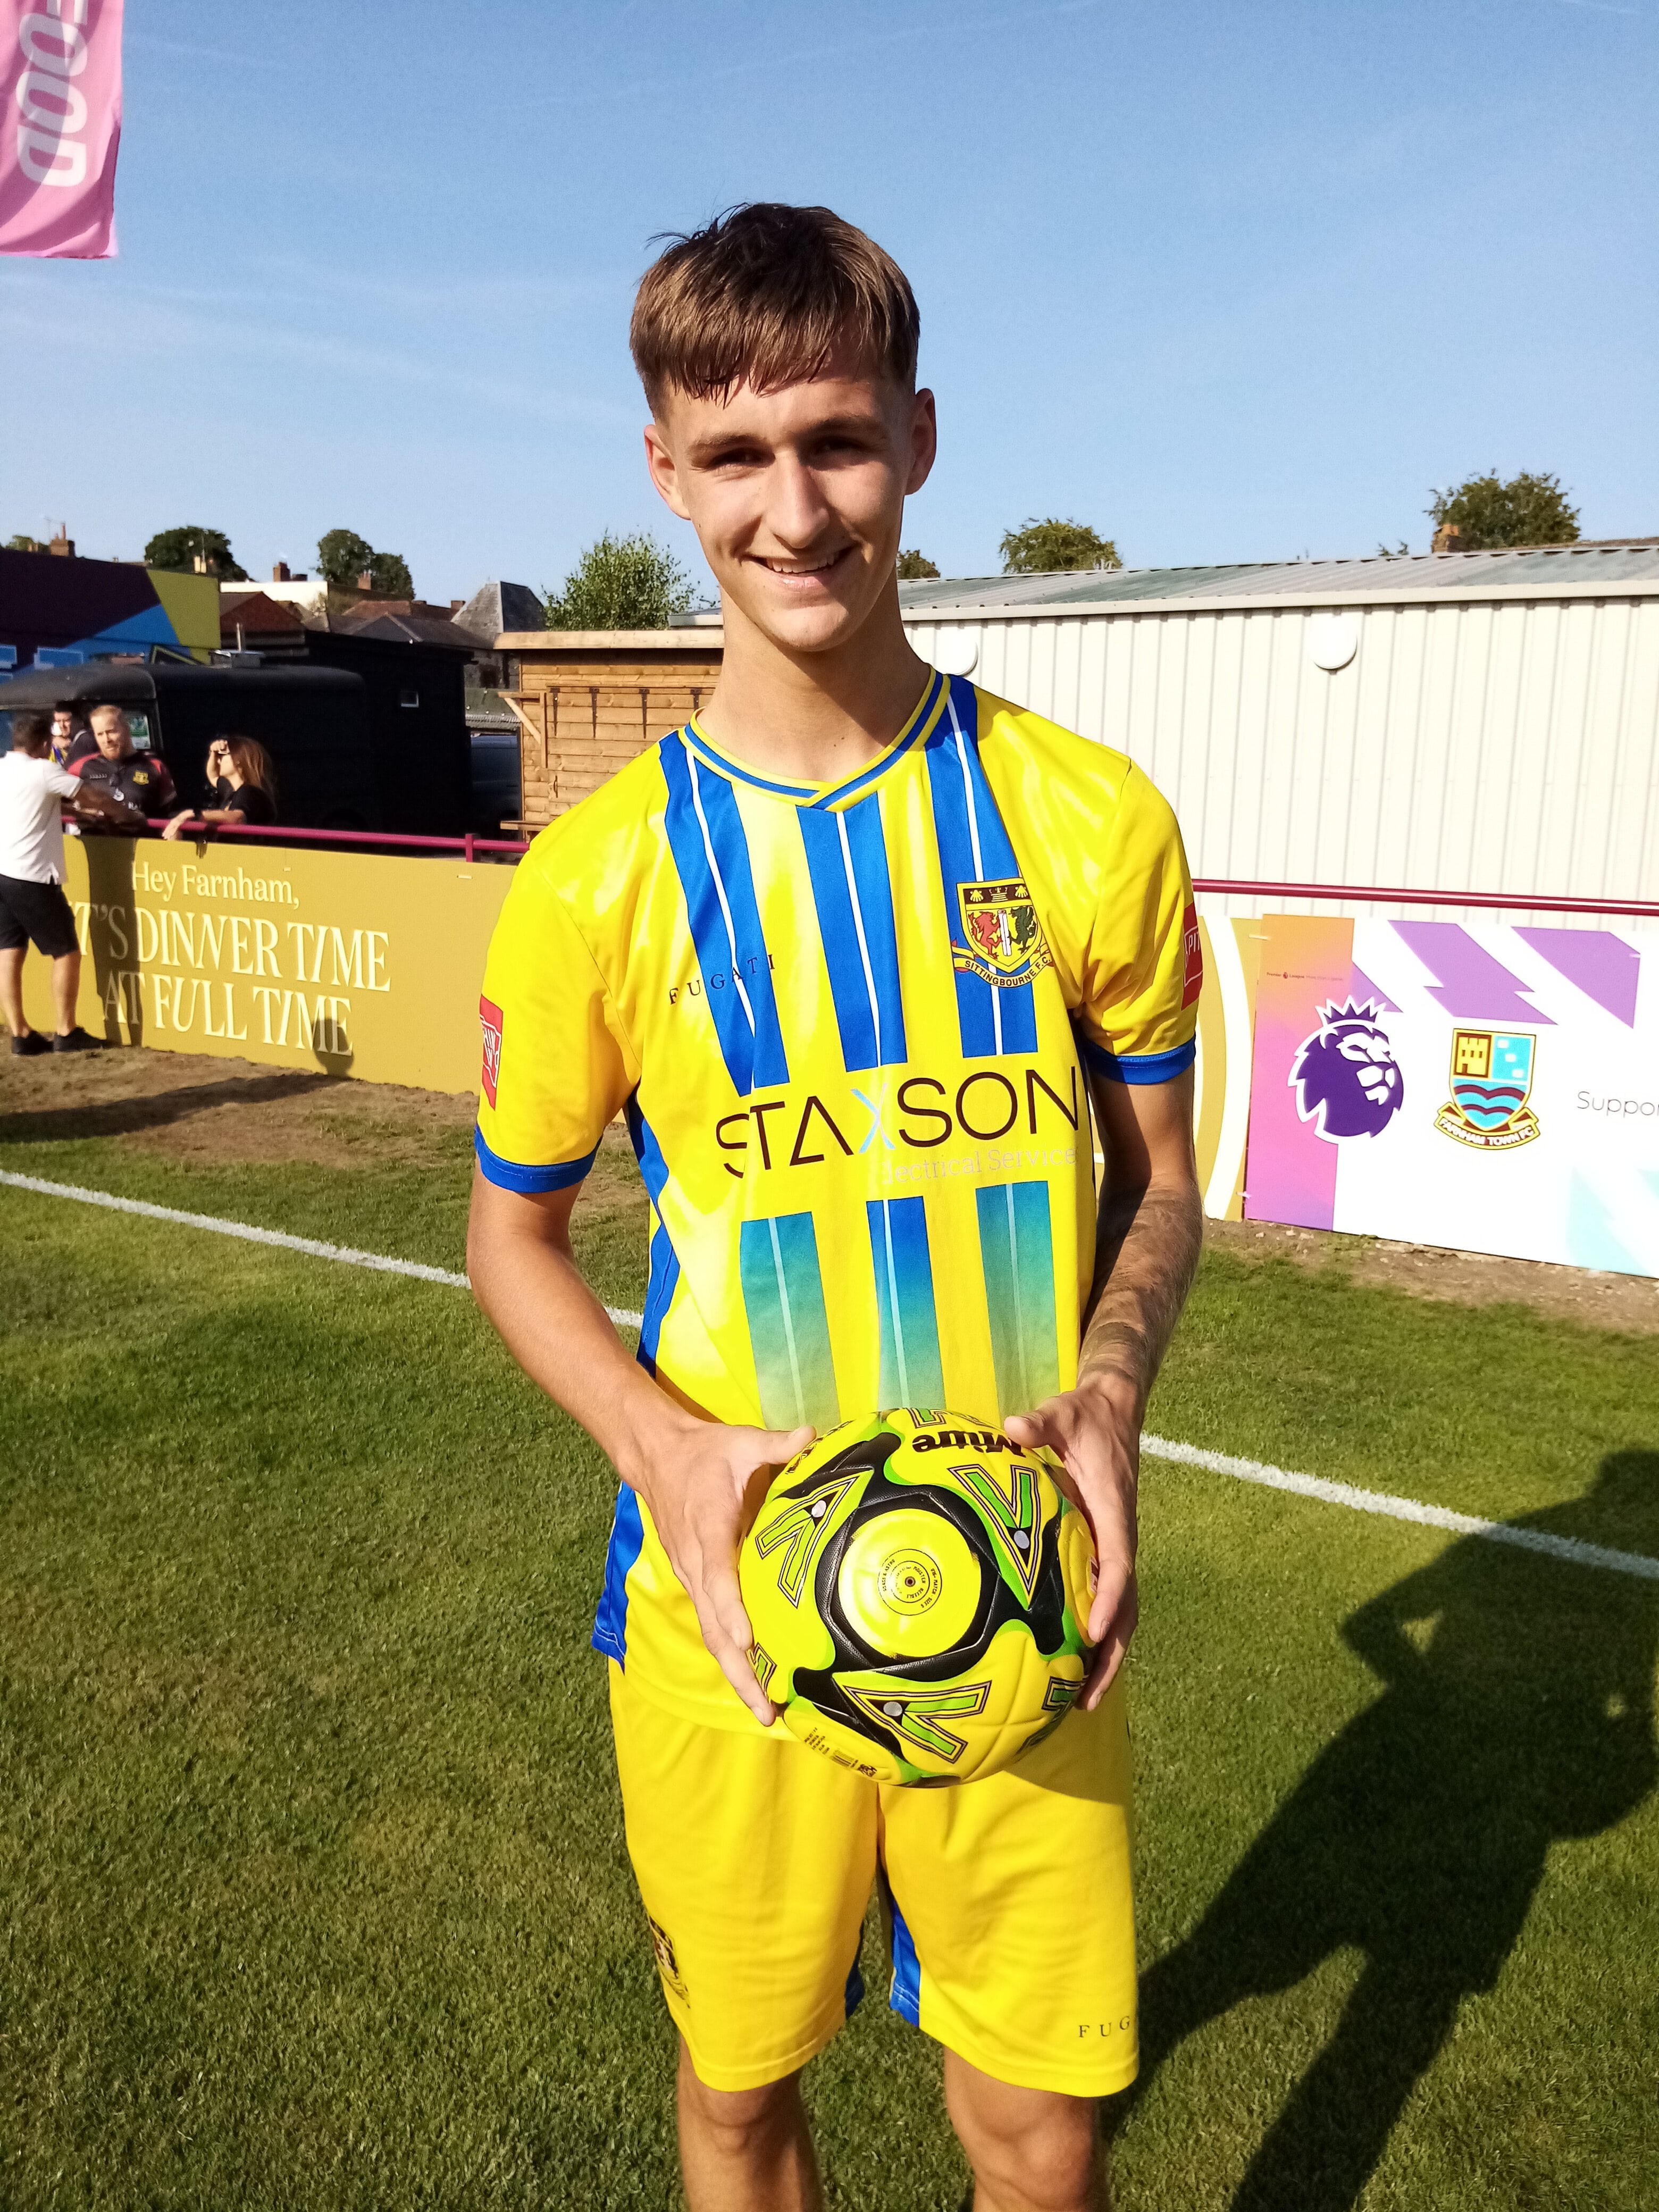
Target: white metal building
<point>1457,721</point>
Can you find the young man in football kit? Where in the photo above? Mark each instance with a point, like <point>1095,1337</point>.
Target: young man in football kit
<point>854,952</point>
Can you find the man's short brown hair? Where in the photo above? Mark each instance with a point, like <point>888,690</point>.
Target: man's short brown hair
<point>31,733</point>
<point>768,295</point>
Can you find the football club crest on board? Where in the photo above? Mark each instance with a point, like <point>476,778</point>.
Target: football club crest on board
<point>1004,945</point>
<point>1490,1082</point>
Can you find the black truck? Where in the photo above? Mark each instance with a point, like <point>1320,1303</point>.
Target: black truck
<point>377,741</point>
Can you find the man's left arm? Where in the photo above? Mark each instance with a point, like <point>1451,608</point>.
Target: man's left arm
<point>1147,1243</point>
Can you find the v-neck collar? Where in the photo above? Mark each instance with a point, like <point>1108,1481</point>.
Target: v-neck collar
<point>827,797</point>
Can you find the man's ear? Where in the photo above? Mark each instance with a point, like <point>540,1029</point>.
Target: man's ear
<point>924,442</point>
<point>664,474</point>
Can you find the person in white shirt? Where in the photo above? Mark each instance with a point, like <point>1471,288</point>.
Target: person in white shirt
<point>32,902</point>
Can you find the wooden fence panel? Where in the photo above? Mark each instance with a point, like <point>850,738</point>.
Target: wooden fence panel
<point>582,724</point>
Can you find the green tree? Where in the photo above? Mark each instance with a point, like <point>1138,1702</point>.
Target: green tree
<point>1037,547</point>
<point>342,557</point>
<point>621,583</point>
<point>24,545</point>
<point>390,577</point>
<point>180,549</point>
<point>913,567</point>
<point>1527,510</point>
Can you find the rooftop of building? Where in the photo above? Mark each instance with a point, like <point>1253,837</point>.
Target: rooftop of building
<point>396,623</point>
<point>497,607</point>
<point>551,644</point>
<point>1622,567</point>
<point>254,614</point>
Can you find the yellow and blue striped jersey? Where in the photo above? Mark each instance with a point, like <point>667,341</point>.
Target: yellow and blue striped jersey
<point>849,1026</point>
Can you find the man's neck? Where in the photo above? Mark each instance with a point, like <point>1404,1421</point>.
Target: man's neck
<point>814,717</point>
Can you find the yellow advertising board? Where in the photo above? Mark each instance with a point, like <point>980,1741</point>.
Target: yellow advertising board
<point>1226,1025</point>
<point>365,964</point>
<point>369,965</point>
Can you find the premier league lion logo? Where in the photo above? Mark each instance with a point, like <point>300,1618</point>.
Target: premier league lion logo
<point>1345,1076</point>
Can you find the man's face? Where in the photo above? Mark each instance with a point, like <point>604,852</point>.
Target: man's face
<point>798,496</point>
<point>63,724</point>
<point>110,729</point>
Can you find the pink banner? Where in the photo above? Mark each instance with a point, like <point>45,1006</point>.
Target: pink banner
<point>60,125</point>
<point>1307,966</point>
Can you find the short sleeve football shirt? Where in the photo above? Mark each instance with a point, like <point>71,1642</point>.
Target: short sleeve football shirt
<point>848,1026</point>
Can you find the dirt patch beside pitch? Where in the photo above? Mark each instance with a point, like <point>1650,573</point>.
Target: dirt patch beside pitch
<point>1628,1303</point>
<point>193,1108</point>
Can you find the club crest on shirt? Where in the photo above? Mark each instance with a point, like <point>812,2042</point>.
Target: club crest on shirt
<point>1004,942</point>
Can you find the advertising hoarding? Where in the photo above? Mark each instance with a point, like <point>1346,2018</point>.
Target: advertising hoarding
<point>1472,1085</point>
<point>363,964</point>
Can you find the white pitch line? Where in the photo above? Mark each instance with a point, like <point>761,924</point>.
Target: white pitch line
<point>1404,1509</point>
<point>1241,1470</point>
<point>312,1247</point>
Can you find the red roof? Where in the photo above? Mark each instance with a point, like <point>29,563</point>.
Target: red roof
<point>255,616</point>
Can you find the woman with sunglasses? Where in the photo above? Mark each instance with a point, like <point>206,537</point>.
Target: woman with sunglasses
<point>243,784</point>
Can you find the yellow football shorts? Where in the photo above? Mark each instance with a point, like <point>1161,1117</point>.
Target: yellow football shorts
<point>1007,1900</point>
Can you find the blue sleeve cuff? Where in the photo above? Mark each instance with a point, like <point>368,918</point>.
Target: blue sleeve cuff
<point>1138,1067</point>
<point>529,1182</point>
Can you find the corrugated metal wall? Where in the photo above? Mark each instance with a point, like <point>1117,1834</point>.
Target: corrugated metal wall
<point>1502,747</point>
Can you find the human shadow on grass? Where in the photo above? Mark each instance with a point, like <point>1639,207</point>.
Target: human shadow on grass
<point>120,1117</point>
<point>1519,1716</point>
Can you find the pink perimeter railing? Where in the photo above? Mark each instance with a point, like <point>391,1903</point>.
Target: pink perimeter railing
<point>465,846</point>
<point>1360,894</point>
<point>1368,893</point>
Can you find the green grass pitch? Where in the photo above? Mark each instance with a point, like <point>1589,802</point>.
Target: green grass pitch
<point>312,1884</point>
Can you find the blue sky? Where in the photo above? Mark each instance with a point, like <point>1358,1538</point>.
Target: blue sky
<point>1228,281</point>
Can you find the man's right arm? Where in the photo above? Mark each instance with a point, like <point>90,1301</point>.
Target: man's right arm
<point>86,798</point>
<point>696,1476</point>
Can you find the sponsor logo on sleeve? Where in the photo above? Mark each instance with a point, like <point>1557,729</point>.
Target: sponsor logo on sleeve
<point>489,1020</point>
<point>1193,951</point>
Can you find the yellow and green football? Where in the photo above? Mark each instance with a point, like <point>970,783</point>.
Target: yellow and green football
<point>918,1588</point>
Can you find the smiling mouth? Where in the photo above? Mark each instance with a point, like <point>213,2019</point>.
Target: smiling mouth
<point>802,570</point>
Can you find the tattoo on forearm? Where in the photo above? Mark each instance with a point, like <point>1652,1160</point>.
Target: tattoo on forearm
<point>1146,1254</point>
